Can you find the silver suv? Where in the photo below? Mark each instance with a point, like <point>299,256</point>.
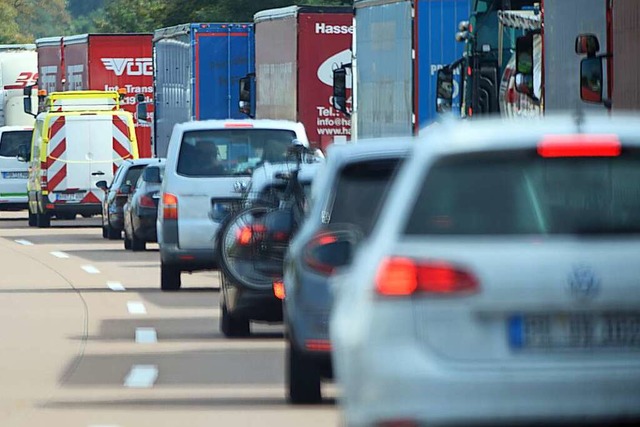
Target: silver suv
<point>207,162</point>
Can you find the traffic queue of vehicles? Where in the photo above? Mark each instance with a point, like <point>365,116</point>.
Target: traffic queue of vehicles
<point>470,273</point>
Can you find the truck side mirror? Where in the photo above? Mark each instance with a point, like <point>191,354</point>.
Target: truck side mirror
<point>587,44</point>
<point>444,90</point>
<point>591,79</point>
<point>245,104</point>
<point>23,153</point>
<point>340,90</point>
<point>524,64</point>
<point>141,108</point>
<point>27,103</point>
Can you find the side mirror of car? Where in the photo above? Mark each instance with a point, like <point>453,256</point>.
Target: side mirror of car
<point>152,174</point>
<point>524,64</point>
<point>340,89</point>
<point>142,108</point>
<point>126,189</point>
<point>247,95</point>
<point>331,249</point>
<point>587,44</point>
<point>102,185</point>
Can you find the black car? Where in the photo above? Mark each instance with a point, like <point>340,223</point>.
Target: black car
<point>115,198</point>
<point>141,209</point>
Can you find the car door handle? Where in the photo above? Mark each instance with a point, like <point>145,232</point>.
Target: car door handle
<point>97,173</point>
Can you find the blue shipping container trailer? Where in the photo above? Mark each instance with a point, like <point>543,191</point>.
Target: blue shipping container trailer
<point>399,46</point>
<point>197,69</point>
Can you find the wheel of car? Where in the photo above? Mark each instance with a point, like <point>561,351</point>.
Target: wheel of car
<point>137,244</point>
<point>232,326</point>
<point>169,277</point>
<point>303,377</point>
<point>127,242</point>
<point>112,233</point>
<point>104,232</point>
<point>86,215</point>
<point>32,220</point>
<point>43,220</point>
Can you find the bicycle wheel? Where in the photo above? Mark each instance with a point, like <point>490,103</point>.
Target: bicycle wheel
<point>251,253</point>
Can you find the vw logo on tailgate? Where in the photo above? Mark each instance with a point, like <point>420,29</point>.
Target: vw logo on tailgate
<point>584,283</point>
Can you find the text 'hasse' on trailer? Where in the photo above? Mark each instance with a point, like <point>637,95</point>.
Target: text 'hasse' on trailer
<point>297,48</point>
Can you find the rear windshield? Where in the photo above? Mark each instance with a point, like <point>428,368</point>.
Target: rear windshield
<point>226,152</point>
<point>522,193</point>
<point>133,173</point>
<point>11,141</point>
<point>359,192</point>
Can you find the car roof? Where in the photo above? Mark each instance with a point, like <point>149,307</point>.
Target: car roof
<point>487,134</point>
<point>14,128</point>
<point>369,148</point>
<point>256,124</point>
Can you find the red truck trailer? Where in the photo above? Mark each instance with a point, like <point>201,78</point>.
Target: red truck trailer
<point>297,48</point>
<point>120,62</point>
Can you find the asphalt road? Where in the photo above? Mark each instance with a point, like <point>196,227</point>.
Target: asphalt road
<point>88,339</point>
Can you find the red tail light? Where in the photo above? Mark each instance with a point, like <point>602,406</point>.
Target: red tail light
<point>398,276</point>
<point>249,232</point>
<point>278,289</point>
<point>169,206</point>
<point>147,202</point>
<point>603,145</point>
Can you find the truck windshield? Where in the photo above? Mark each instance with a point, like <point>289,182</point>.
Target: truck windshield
<point>11,141</point>
<point>227,152</point>
<point>526,194</point>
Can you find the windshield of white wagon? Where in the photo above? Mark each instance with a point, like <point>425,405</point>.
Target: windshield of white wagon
<point>228,152</point>
<point>523,193</point>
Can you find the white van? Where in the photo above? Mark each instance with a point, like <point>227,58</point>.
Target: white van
<point>13,172</point>
<point>81,138</point>
<point>207,162</point>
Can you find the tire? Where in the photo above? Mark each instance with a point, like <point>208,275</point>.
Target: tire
<point>169,278</point>
<point>127,242</point>
<point>43,220</point>
<point>86,215</point>
<point>112,233</point>
<point>104,232</point>
<point>33,220</point>
<point>137,245</point>
<point>303,378</point>
<point>232,326</point>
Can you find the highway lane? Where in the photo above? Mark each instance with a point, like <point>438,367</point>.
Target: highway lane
<point>88,339</point>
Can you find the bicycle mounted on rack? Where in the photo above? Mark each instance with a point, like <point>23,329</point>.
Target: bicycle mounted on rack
<point>253,241</point>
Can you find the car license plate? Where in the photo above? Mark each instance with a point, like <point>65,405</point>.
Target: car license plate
<point>70,197</point>
<point>574,330</point>
<point>15,175</point>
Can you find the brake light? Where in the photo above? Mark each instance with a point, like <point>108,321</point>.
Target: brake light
<point>238,125</point>
<point>318,345</point>
<point>169,206</point>
<point>399,276</point>
<point>147,202</point>
<point>278,289</point>
<point>246,233</point>
<point>603,145</point>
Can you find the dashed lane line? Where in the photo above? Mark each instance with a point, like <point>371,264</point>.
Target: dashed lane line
<point>24,242</point>
<point>141,376</point>
<point>136,307</point>
<point>90,269</point>
<point>59,254</point>
<point>116,286</point>
<point>146,336</point>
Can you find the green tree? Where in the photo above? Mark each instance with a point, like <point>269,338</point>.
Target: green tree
<point>9,29</point>
<point>42,18</point>
<point>131,16</point>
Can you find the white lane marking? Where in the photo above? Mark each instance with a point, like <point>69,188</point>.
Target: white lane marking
<point>116,286</point>
<point>24,242</point>
<point>141,376</point>
<point>146,336</point>
<point>59,254</point>
<point>90,269</point>
<point>136,307</point>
